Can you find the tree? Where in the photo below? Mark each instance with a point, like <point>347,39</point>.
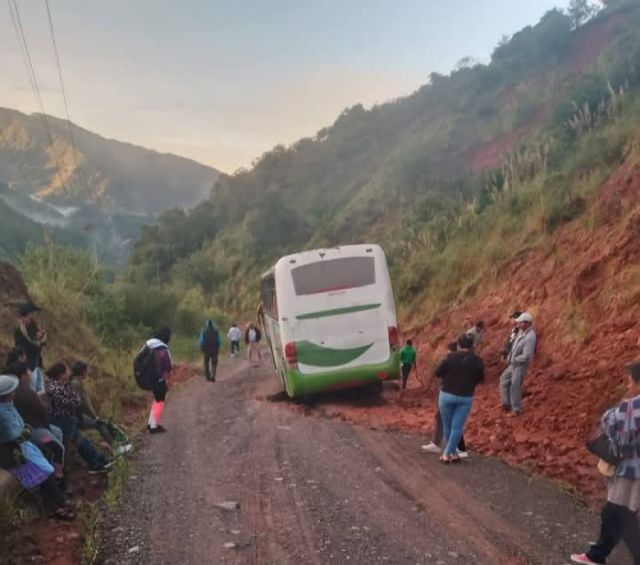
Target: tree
<point>581,11</point>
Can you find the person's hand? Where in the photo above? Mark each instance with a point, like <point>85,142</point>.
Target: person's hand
<point>26,432</point>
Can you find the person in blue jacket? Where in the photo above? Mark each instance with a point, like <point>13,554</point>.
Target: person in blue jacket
<point>210,344</point>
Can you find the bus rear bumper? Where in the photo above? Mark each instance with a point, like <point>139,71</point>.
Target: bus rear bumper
<point>300,384</point>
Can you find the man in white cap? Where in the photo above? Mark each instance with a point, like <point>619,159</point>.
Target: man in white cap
<point>518,361</point>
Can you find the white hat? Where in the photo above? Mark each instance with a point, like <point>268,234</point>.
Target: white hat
<point>524,317</point>
<point>8,383</point>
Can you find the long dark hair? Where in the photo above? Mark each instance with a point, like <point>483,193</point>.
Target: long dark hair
<point>79,369</point>
<point>56,370</point>
<point>163,334</point>
<point>18,369</point>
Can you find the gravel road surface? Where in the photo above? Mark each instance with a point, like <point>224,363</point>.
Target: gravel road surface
<point>315,490</point>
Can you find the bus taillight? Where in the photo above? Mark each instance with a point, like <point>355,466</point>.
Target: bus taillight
<point>291,353</point>
<point>393,337</point>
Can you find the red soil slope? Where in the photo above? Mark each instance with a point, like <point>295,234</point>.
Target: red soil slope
<point>584,288</point>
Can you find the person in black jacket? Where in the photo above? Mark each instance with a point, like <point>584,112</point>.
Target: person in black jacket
<point>460,372</point>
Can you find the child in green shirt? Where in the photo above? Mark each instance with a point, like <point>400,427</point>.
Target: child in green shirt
<point>407,362</point>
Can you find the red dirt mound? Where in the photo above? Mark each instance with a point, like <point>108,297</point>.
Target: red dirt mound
<point>583,287</point>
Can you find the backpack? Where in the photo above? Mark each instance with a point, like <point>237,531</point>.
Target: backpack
<point>144,368</point>
<point>210,340</point>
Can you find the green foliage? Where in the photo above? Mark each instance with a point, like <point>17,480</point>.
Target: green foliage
<point>444,178</point>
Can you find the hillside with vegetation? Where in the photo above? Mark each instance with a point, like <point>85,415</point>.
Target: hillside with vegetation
<point>66,165</point>
<point>454,180</point>
<point>68,184</point>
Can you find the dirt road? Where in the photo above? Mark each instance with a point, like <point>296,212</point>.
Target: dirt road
<point>314,490</point>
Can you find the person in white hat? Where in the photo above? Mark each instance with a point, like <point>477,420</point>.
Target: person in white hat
<point>518,361</point>
<point>22,458</point>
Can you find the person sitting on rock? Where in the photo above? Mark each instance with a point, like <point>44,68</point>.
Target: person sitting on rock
<point>36,415</point>
<point>65,408</point>
<point>22,458</point>
<point>89,419</point>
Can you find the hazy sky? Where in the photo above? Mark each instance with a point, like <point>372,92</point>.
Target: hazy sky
<point>223,81</point>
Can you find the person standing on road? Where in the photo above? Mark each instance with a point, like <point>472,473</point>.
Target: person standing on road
<point>512,335</point>
<point>460,373</point>
<point>436,445</point>
<point>407,362</point>
<point>159,368</point>
<point>210,343</point>
<point>621,425</point>
<point>518,361</point>
<point>476,333</point>
<point>252,338</point>
<point>234,335</point>
<point>28,337</point>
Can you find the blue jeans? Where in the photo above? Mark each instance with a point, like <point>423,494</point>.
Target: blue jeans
<point>90,454</point>
<point>455,411</point>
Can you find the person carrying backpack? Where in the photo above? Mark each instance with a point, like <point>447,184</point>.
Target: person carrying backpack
<point>210,343</point>
<point>152,368</point>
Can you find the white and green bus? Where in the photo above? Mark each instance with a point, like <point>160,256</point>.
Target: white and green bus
<point>329,317</point>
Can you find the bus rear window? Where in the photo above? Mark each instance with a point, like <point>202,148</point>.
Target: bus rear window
<point>333,275</point>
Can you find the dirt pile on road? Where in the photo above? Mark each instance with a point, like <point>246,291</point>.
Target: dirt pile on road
<point>583,286</point>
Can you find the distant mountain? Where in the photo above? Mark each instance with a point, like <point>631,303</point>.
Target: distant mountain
<point>95,192</point>
<point>114,176</point>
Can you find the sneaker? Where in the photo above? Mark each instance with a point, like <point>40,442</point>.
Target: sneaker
<point>102,468</point>
<point>431,448</point>
<point>463,454</point>
<point>515,413</point>
<point>582,558</point>
<point>157,430</point>
<point>123,449</point>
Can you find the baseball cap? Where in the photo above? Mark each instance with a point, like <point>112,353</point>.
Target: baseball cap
<point>524,317</point>
<point>516,314</point>
<point>27,308</point>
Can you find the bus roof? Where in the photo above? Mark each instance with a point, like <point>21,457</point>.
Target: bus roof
<point>312,255</point>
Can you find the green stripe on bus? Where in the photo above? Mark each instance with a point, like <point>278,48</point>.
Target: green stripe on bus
<point>318,356</point>
<point>338,311</point>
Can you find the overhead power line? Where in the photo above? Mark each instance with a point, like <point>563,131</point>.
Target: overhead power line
<point>26,55</point>
<point>78,170</point>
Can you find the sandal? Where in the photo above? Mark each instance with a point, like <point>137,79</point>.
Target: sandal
<point>455,459</point>
<point>445,459</point>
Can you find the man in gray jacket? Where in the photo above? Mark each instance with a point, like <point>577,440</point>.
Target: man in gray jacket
<point>518,360</point>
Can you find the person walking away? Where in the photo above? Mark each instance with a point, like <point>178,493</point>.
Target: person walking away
<point>460,373</point>
<point>512,335</point>
<point>621,425</point>
<point>476,333</point>
<point>152,368</point>
<point>65,404</point>
<point>435,446</point>
<point>36,415</point>
<point>28,337</point>
<point>518,362</point>
<point>252,338</point>
<point>234,335</point>
<point>407,362</point>
<point>22,458</point>
<point>88,417</point>
<point>210,343</point>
